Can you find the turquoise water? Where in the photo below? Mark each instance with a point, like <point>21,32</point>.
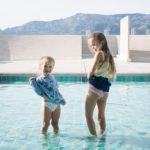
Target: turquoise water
<point>127,114</point>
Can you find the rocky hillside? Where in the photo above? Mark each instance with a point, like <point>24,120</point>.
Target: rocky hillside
<point>79,24</point>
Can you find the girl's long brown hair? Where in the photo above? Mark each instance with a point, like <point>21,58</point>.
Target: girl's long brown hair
<point>100,38</point>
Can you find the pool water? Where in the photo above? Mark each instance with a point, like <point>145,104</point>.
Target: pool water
<point>127,117</point>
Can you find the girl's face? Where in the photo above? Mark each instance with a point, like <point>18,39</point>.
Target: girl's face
<point>94,45</point>
<point>46,68</point>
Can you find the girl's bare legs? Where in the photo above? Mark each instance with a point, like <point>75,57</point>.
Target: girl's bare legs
<point>101,105</point>
<point>55,119</point>
<point>90,103</point>
<point>46,116</point>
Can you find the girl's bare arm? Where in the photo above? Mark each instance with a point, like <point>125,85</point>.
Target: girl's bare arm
<point>96,60</point>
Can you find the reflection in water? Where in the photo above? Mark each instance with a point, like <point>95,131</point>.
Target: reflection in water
<point>96,143</point>
<point>104,142</point>
<point>74,142</point>
<point>50,141</point>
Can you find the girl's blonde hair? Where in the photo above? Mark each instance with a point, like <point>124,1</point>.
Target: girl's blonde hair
<point>45,59</point>
<point>100,38</point>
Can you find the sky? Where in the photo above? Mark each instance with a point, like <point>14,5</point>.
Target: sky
<point>18,12</point>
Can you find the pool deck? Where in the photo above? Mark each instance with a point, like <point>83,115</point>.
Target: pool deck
<point>72,66</point>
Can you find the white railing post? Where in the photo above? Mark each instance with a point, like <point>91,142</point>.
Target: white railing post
<point>124,39</point>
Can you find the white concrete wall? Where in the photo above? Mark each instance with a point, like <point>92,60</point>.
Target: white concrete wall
<point>65,46</point>
<point>4,48</point>
<point>59,46</point>
<point>139,42</point>
<point>33,47</point>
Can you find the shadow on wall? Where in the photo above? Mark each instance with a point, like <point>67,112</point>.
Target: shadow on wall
<point>86,53</point>
<point>4,49</point>
<point>113,43</point>
<point>140,56</point>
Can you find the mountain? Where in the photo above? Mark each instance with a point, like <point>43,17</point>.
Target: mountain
<point>79,24</point>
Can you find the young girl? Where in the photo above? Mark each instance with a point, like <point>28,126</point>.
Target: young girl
<point>46,86</point>
<point>103,68</point>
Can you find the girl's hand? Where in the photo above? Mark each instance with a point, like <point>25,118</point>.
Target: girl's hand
<point>97,53</point>
<point>32,78</point>
<point>89,75</point>
<point>65,103</point>
<point>96,60</point>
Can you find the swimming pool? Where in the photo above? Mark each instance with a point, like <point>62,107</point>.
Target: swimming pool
<point>127,116</point>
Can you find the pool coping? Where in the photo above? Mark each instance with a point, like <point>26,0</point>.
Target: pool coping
<point>72,66</point>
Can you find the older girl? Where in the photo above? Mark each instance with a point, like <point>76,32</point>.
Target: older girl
<point>102,69</point>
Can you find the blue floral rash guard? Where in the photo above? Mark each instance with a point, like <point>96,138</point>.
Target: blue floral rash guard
<point>46,86</point>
